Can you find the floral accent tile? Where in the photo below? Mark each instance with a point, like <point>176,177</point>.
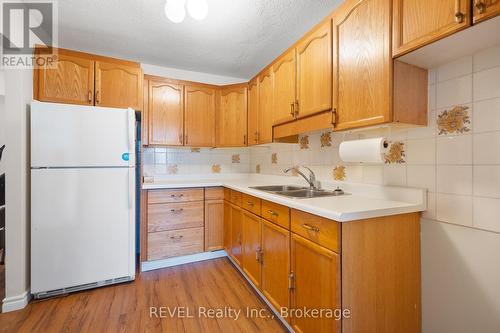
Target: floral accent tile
<point>396,153</point>
<point>456,120</point>
<point>257,168</point>
<point>235,158</point>
<point>195,150</point>
<point>274,158</point>
<point>172,169</point>
<point>216,168</point>
<point>339,172</point>
<point>304,142</point>
<point>326,139</point>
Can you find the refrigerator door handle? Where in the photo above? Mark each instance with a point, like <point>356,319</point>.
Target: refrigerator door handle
<point>131,134</point>
<point>131,188</point>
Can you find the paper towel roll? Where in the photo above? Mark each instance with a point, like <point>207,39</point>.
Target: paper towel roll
<point>366,151</point>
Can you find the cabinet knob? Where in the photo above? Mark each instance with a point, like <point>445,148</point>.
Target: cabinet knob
<point>480,6</point>
<point>310,227</point>
<point>90,96</point>
<point>459,16</point>
<point>97,98</point>
<point>273,213</point>
<point>292,109</point>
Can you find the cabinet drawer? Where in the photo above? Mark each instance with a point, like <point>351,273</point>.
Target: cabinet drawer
<point>276,213</point>
<point>235,198</point>
<point>251,203</point>
<point>166,244</point>
<point>177,215</point>
<point>175,195</point>
<point>214,193</point>
<point>322,231</point>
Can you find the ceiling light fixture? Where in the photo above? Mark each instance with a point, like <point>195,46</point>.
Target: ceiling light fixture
<point>174,9</point>
<point>197,9</point>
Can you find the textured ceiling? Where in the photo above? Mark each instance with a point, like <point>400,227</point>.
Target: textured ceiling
<point>238,37</point>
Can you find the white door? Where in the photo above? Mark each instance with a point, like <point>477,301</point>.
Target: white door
<point>64,135</point>
<point>82,226</point>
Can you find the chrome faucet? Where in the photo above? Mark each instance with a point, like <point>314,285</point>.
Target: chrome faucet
<point>311,180</point>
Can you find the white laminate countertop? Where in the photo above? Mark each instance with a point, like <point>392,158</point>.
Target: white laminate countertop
<point>362,202</point>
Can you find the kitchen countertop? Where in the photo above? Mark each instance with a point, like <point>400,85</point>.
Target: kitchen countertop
<point>362,201</point>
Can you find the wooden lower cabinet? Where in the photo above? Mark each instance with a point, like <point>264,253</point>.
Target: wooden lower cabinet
<point>214,225</point>
<point>236,228</point>
<point>227,227</point>
<point>275,262</point>
<point>252,247</point>
<point>174,243</point>
<point>315,274</point>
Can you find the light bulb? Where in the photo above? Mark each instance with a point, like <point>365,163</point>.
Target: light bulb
<point>174,9</point>
<point>198,9</point>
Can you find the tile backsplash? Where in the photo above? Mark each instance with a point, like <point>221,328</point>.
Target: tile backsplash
<point>456,157</point>
<point>198,161</point>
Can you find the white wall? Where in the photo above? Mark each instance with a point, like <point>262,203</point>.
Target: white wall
<point>18,93</point>
<point>181,74</point>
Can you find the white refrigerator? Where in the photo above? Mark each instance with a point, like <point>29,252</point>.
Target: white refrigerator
<point>82,197</point>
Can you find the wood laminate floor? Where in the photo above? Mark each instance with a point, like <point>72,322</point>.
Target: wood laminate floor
<point>212,284</point>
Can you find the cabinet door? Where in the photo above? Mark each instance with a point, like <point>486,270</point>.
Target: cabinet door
<point>227,227</point>
<point>252,249</point>
<point>236,241</point>
<point>284,88</point>
<point>420,22</point>
<point>275,264</point>
<point>145,113</point>
<point>232,118</point>
<point>266,114</point>
<point>314,71</point>
<point>118,86</point>
<point>362,48</point>
<point>253,112</point>
<point>199,116</point>
<point>214,225</point>
<point>71,81</point>
<point>166,110</point>
<point>316,284</point>
<point>485,9</point>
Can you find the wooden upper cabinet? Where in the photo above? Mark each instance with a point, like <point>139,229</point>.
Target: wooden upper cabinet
<point>266,112</point>
<point>253,112</point>
<point>232,117</point>
<point>316,284</point>
<point>314,71</point>
<point>199,116</point>
<point>363,65</point>
<point>252,247</point>
<point>485,9</point>
<point>284,78</point>
<point>72,81</point>
<point>118,85</point>
<point>145,112</point>
<point>275,261</point>
<point>420,22</point>
<point>165,116</point>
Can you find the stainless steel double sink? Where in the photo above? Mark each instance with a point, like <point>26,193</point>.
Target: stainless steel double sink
<point>294,191</point>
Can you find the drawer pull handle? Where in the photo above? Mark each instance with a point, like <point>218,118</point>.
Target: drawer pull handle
<point>310,227</point>
<point>480,6</point>
<point>176,195</point>
<point>273,213</point>
<point>176,237</point>
<point>250,203</point>
<point>258,255</point>
<point>177,210</point>
<point>459,16</point>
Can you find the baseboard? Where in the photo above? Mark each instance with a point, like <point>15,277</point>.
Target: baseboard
<point>163,263</point>
<point>16,302</point>
<point>278,315</point>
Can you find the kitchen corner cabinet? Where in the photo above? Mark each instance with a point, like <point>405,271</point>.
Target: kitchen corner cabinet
<point>214,218</point>
<point>284,87</point>
<point>315,275</point>
<point>420,22</point>
<point>266,111</point>
<point>314,71</point>
<point>232,116</point>
<point>118,85</point>
<point>253,112</point>
<point>86,79</point>
<point>485,9</point>
<point>165,113</point>
<point>252,247</point>
<point>389,92</point>
<point>199,119</point>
